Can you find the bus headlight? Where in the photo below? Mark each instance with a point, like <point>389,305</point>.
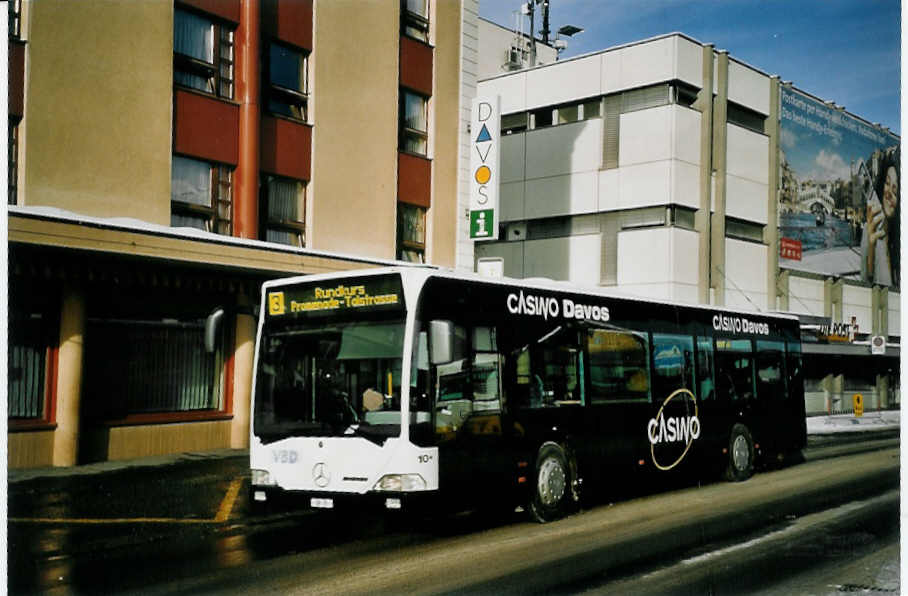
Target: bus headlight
<point>262,478</point>
<point>400,483</point>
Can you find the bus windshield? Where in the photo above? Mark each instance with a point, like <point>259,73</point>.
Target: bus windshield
<point>329,378</point>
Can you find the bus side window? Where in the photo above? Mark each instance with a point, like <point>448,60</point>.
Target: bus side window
<point>619,366</point>
<point>770,375</point>
<point>673,358</point>
<point>705,369</point>
<point>485,372</point>
<point>734,369</point>
<point>795,369</point>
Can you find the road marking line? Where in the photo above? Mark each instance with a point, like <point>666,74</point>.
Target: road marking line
<point>229,500</point>
<point>108,520</point>
<point>222,515</point>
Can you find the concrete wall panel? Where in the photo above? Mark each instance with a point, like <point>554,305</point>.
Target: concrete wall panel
<point>638,65</point>
<point>686,141</point>
<point>746,199</point>
<point>748,87</point>
<point>564,82</point>
<point>513,157</point>
<point>805,296</point>
<point>745,275</point>
<point>562,195</point>
<point>512,89</point>
<point>748,154</point>
<point>857,302</point>
<point>510,252</point>
<point>644,185</point>
<point>563,149</point>
<point>685,188</point>
<point>689,61</point>
<point>574,259</point>
<point>645,136</point>
<point>511,201</point>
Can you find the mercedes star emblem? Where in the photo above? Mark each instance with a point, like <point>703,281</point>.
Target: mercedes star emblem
<point>321,475</point>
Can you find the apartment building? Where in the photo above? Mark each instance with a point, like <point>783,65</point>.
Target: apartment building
<point>668,169</point>
<point>167,157</point>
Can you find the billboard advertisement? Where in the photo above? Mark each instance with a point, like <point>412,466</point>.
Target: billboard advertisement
<point>839,193</point>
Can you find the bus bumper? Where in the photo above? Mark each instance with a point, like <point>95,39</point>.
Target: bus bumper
<point>273,498</point>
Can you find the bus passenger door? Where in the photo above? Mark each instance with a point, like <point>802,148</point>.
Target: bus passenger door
<point>619,396</point>
<point>467,415</point>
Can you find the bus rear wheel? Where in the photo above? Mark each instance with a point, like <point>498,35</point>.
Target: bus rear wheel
<point>552,489</point>
<point>740,454</point>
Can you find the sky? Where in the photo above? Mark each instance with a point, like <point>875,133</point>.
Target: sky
<point>846,51</point>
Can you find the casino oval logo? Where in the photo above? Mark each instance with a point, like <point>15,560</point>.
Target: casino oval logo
<point>674,429</point>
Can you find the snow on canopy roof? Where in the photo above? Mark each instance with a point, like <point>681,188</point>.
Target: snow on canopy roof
<point>129,224</point>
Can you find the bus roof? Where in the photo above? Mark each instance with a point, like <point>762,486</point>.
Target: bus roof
<point>424,272</point>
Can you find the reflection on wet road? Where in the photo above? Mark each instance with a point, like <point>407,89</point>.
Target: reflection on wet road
<point>189,530</point>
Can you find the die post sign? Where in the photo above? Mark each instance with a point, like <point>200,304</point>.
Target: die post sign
<point>485,168</point>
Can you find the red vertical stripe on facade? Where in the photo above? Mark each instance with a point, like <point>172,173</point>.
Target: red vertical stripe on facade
<point>416,62</point>
<point>205,127</point>
<point>414,180</point>
<point>226,9</point>
<point>286,148</point>
<point>288,21</point>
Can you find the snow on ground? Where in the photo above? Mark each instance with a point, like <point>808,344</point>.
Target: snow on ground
<point>846,423</point>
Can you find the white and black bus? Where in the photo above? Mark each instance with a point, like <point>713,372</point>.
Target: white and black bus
<point>401,385</point>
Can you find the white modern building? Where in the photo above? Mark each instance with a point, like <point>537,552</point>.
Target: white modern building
<point>655,168</point>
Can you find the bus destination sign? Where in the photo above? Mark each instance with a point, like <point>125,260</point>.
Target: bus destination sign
<point>360,294</point>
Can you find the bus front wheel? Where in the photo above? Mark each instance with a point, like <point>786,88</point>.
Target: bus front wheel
<point>552,490</point>
<point>740,454</point>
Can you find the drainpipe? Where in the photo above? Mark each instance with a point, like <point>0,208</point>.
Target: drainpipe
<point>248,76</point>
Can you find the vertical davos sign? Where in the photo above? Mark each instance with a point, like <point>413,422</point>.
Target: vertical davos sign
<point>485,169</point>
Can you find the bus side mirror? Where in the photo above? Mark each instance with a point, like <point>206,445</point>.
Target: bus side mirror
<point>212,327</point>
<point>441,341</point>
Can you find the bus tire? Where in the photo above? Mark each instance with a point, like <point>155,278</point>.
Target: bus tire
<point>740,454</point>
<point>551,496</point>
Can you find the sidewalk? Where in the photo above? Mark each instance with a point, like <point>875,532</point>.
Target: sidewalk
<point>15,476</point>
<point>848,423</point>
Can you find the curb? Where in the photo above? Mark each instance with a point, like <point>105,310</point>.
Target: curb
<point>17,476</point>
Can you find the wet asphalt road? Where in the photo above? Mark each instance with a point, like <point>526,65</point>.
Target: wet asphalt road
<point>187,529</point>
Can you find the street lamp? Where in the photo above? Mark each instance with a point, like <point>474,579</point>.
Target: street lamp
<point>567,31</point>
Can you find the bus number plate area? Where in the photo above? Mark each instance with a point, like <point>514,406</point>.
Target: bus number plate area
<point>321,503</point>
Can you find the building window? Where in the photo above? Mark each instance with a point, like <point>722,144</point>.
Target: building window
<point>411,233</point>
<point>201,195</point>
<point>203,56</point>
<point>683,217</point>
<point>284,206</point>
<point>414,19</point>
<point>743,230</point>
<point>541,118</point>
<point>568,113</point>
<point>15,18</point>
<point>511,123</point>
<point>12,163</point>
<point>31,329</point>
<point>414,123</point>
<point>683,94</point>
<point>141,364</point>
<point>288,76</point>
<point>746,118</point>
